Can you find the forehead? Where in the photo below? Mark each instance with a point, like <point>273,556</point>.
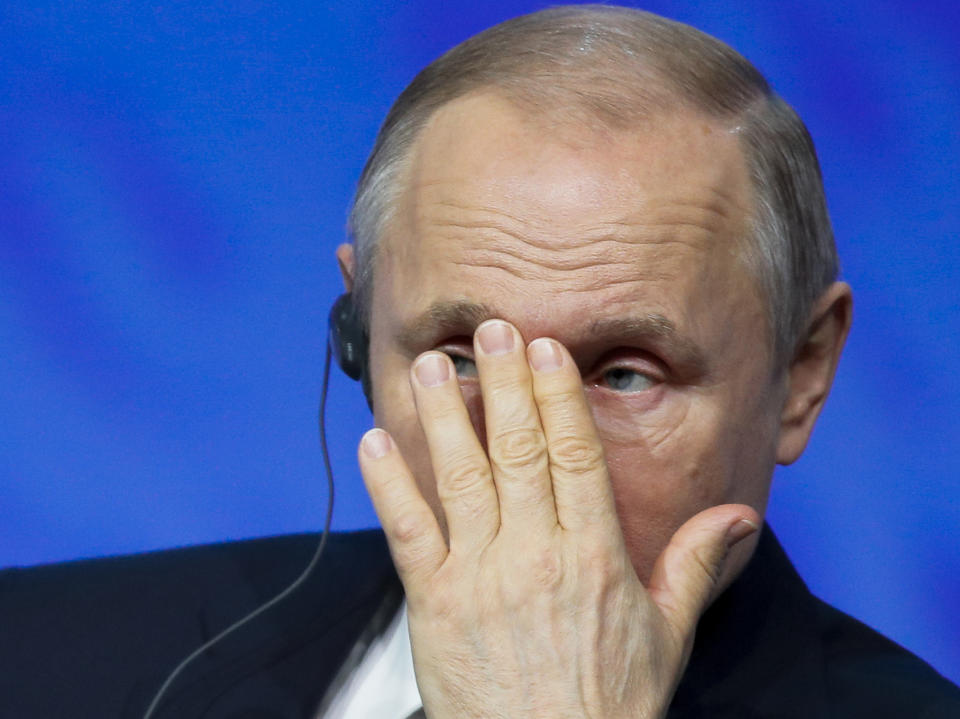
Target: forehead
<point>486,148</point>
<point>532,216</point>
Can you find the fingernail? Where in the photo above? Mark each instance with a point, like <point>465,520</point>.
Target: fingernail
<point>496,338</point>
<point>544,355</point>
<point>741,530</point>
<point>376,443</point>
<point>432,370</point>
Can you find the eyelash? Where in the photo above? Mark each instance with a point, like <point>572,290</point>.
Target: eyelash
<point>655,378</point>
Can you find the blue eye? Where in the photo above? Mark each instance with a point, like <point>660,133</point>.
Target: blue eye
<point>464,366</point>
<point>623,379</point>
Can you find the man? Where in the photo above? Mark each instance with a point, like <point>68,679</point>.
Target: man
<point>592,256</point>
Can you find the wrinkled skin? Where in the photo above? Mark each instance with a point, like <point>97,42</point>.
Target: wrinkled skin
<point>559,533</point>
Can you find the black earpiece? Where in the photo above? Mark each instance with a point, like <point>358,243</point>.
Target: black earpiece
<point>349,343</point>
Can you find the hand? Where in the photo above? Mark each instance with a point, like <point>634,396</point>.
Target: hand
<point>534,609</point>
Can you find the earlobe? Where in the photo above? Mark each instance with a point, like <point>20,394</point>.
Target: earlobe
<point>346,262</point>
<point>812,369</point>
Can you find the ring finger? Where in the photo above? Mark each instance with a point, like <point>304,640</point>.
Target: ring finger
<point>460,467</point>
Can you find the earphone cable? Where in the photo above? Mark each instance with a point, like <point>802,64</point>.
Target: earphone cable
<point>321,421</point>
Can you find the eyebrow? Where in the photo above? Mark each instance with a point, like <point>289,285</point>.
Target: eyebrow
<point>660,331</point>
<point>444,318</point>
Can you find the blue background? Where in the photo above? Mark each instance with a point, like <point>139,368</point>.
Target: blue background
<point>174,179</point>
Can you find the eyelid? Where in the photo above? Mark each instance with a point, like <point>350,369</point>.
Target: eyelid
<point>460,350</point>
<point>630,358</point>
<point>634,360</point>
<point>652,381</point>
<point>464,348</point>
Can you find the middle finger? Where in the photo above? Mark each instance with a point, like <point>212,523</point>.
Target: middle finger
<point>516,444</point>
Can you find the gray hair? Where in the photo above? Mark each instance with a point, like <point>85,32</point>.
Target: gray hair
<point>616,65</point>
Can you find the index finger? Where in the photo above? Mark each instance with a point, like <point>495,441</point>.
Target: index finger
<point>578,468</point>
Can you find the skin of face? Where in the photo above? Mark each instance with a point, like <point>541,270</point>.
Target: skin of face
<point>623,245</point>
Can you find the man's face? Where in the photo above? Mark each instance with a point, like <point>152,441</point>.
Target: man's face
<point>623,246</point>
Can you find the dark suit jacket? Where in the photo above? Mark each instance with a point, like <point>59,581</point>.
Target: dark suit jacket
<point>96,638</point>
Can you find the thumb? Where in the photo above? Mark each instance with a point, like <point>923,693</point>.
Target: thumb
<point>690,570</point>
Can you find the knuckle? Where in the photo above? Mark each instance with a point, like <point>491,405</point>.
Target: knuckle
<point>442,604</point>
<point>558,401</point>
<point>601,562</point>
<point>462,479</point>
<point>518,447</point>
<point>470,504</point>
<point>407,527</point>
<point>534,573</point>
<point>545,569</point>
<point>575,455</point>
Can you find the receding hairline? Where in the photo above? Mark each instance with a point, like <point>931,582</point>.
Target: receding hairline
<point>604,62</point>
<point>573,126</point>
<point>573,129</point>
<point>589,93</point>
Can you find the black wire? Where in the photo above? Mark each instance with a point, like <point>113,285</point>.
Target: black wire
<point>321,421</point>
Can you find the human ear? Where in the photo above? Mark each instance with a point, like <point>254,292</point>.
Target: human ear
<point>346,262</point>
<point>811,371</point>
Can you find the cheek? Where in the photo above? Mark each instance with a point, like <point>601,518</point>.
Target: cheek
<point>396,412</point>
<point>664,478</point>
<point>662,424</point>
<point>666,464</point>
<point>678,457</point>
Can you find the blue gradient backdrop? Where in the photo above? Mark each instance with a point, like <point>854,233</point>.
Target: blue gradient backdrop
<point>174,180</point>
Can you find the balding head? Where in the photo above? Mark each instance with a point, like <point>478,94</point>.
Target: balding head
<point>612,67</point>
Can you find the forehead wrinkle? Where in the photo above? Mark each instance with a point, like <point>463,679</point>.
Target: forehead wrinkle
<point>480,244</point>
<point>593,257</point>
<point>484,244</point>
<point>706,215</point>
<point>596,263</point>
<point>724,198</point>
<point>496,221</point>
<point>638,226</point>
<point>591,282</point>
<point>447,203</point>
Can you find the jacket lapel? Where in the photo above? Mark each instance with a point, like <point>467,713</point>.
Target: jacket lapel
<point>279,665</point>
<point>757,651</point>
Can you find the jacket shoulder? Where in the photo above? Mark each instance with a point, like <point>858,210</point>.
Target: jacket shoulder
<point>869,674</point>
<point>83,636</point>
